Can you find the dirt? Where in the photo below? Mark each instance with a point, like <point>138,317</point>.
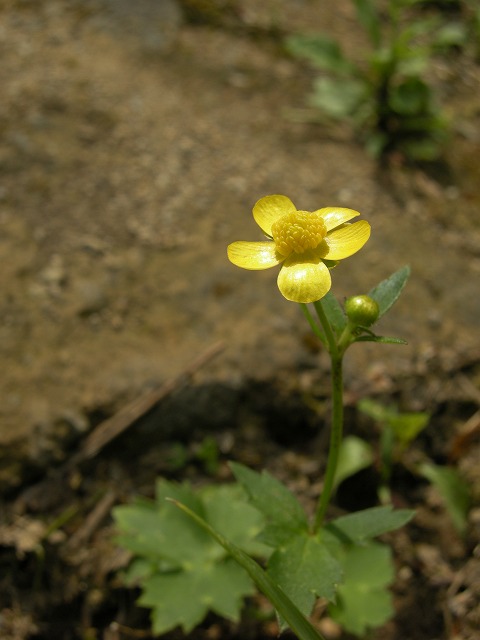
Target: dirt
<point>133,144</point>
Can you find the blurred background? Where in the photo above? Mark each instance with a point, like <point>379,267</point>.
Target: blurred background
<point>135,137</point>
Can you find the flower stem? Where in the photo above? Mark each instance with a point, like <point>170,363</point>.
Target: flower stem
<point>336,434</point>
<point>313,325</point>
<point>335,441</point>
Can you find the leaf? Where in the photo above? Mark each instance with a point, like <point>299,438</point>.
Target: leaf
<point>305,569</point>
<point>283,513</point>
<point>405,426</point>
<point>299,624</point>
<point>334,312</point>
<point>381,339</point>
<point>369,17</point>
<point>228,511</point>
<point>453,489</point>
<point>355,455</point>
<point>321,51</point>
<point>387,292</point>
<point>183,598</point>
<point>338,98</point>
<point>159,534</point>
<point>363,601</point>
<point>183,572</point>
<point>362,525</point>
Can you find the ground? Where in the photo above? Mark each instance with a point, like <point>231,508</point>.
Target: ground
<point>133,144</point>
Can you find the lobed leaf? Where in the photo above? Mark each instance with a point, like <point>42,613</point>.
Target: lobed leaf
<point>284,516</point>
<point>363,601</point>
<point>305,569</point>
<point>299,624</point>
<point>184,598</point>
<point>363,525</point>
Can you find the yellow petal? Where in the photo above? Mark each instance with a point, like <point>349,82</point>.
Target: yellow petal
<point>269,209</point>
<point>254,255</point>
<point>346,240</point>
<point>304,281</point>
<point>335,216</point>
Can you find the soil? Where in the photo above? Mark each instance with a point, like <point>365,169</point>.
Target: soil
<point>134,140</point>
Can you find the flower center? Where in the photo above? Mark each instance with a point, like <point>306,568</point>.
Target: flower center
<point>298,231</point>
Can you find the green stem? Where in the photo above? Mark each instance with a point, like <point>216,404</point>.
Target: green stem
<point>313,325</point>
<point>332,342</point>
<point>335,440</point>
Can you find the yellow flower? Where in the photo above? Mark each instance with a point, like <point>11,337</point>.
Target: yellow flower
<point>306,243</point>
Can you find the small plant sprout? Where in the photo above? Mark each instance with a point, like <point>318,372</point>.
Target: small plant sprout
<point>205,550</point>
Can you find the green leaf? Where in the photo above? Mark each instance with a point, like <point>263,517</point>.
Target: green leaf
<point>183,572</point>
<point>453,489</point>
<point>227,509</point>
<point>369,17</point>
<point>355,455</point>
<point>338,98</point>
<point>363,601</point>
<point>334,312</point>
<point>388,291</point>
<point>160,534</point>
<point>321,51</point>
<point>305,569</point>
<point>405,426</point>
<point>380,339</point>
<point>424,149</point>
<point>184,598</point>
<point>362,525</point>
<point>410,97</point>
<point>283,513</point>
<point>138,571</point>
<point>299,624</point>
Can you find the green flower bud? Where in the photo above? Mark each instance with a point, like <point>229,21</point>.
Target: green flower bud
<point>362,310</point>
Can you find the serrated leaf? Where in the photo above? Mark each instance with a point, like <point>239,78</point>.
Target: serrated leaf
<point>228,511</point>
<point>182,492</point>
<point>369,523</point>
<point>159,531</point>
<point>387,292</point>
<point>284,516</point>
<point>138,571</point>
<point>363,601</point>
<point>299,624</point>
<point>355,455</point>
<point>334,312</point>
<point>453,489</point>
<point>184,598</point>
<point>305,569</point>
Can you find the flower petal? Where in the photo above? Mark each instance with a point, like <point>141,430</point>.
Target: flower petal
<point>346,240</point>
<point>302,280</point>
<point>335,216</point>
<point>269,209</point>
<point>254,255</point>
